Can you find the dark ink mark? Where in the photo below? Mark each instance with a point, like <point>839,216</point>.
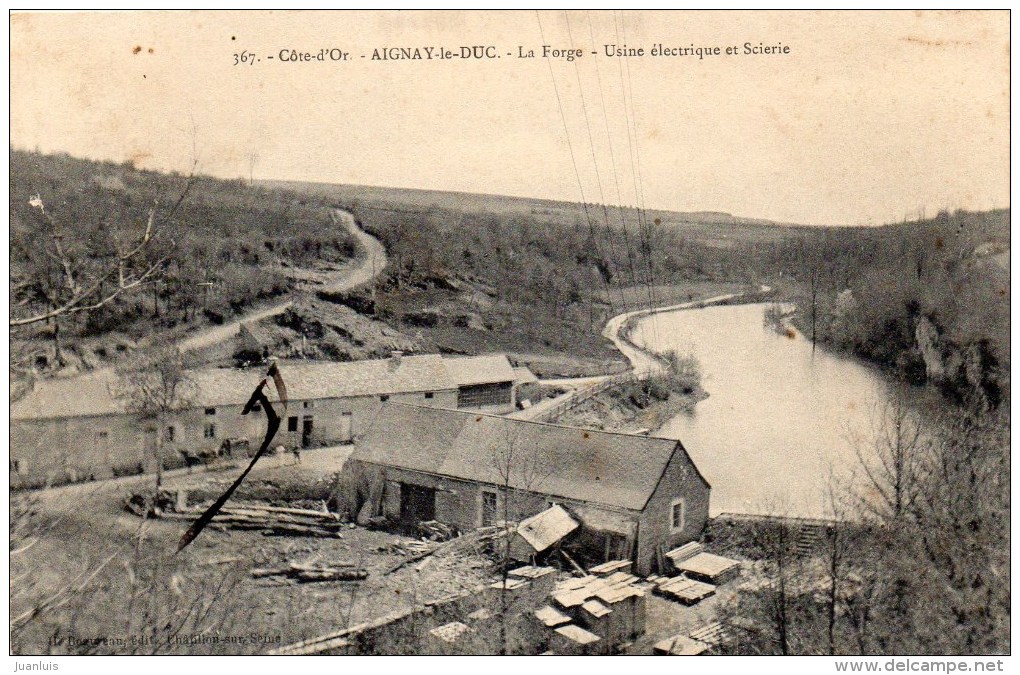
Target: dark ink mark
<point>136,49</point>
<point>151,50</point>
<point>258,400</point>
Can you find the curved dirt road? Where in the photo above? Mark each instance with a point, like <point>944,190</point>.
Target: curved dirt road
<point>354,274</point>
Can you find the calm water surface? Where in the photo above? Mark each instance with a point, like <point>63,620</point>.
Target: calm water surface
<point>779,420</point>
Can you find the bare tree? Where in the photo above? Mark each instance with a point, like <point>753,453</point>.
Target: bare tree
<point>78,284</point>
<point>157,386</point>
<point>891,461</point>
<point>519,472</point>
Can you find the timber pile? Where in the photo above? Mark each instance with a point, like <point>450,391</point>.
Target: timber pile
<point>684,553</point>
<point>709,567</point>
<point>472,543</point>
<point>272,521</point>
<point>409,547</point>
<point>712,634</point>
<point>683,590</point>
<point>343,571</point>
<point>433,530</point>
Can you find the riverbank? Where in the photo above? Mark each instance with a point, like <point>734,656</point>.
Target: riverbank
<point>630,409</point>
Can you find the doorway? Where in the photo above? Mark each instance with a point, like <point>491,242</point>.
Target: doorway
<point>345,432</point>
<point>417,504</point>
<point>306,432</point>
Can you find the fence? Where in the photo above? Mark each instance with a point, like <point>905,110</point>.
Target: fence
<point>583,394</point>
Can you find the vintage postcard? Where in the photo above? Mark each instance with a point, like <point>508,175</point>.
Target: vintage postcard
<point>510,333</point>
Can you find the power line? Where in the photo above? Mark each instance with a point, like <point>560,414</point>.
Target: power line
<point>573,161</point>
<point>594,160</point>
<point>612,158</point>
<point>635,160</point>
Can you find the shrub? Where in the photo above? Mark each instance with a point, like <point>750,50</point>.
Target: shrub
<point>683,372</point>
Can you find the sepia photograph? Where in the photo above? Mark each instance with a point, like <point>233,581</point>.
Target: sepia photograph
<point>511,333</point>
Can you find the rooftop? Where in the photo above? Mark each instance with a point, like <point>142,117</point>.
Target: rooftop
<point>612,469</point>
<point>99,393</point>
<point>469,370</point>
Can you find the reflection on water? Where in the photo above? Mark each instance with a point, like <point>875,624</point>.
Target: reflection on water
<point>779,419</point>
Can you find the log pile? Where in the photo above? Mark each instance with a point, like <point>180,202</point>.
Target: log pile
<point>433,530</point>
<point>471,543</point>
<point>344,571</point>
<point>272,521</point>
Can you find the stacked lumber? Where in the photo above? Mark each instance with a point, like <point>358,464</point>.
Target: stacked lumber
<point>683,590</point>
<point>683,553</point>
<point>680,645</point>
<point>712,634</point>
<point>272,521</point>
<point>714,569</point>
<point>343,571</point>
<point>607,568</point>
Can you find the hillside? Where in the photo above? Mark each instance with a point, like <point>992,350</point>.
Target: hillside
<point>220,247</point>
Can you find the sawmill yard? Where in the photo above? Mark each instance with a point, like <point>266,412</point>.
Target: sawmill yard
<point>276,568</point>
<point>145,599</point>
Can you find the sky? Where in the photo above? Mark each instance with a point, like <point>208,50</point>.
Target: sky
<point>870,117</point>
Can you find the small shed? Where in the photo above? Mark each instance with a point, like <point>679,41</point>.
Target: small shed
<point>540,532</point>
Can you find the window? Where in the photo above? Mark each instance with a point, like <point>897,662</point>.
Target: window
<point>429,394</point>
<point>476,396</point>
<point>384,398</point>
<point>210,430</point>
<point>309,404</point>
<point>210,411</point>
<point>102,435</point>
<point>292,423</point>
<point>15,465</point>
<point>488,508</point>
<point>169,434</point>
<point>677,515</point>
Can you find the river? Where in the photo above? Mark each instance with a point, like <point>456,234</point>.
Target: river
<point>779,421</point>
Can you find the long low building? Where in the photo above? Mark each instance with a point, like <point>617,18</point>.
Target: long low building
<point>79,428</point>
<point>634,496</point>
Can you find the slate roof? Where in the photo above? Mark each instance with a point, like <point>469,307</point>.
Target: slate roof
<point>97,393</point>
<point>612,469</point>
<point>88,395</point>
<point>469,370</point>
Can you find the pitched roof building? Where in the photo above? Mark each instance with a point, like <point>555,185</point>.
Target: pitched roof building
<point>636,496</point>
<point>74,428</point>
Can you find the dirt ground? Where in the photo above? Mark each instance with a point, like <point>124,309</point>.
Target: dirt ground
<point>120,588</point>
<point>127,592</point>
